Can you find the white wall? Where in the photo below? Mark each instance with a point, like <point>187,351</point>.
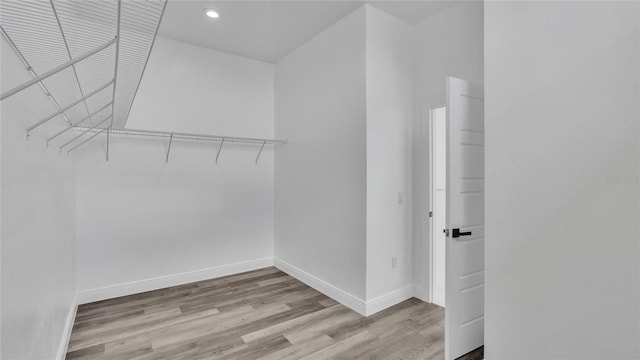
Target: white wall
<point>320,175</point>
<point>194,89</point>
<point>562,191</point>
<point>389,102</point>
<point>344,101</point>
<point>447,44</point>
<point>139,218</point>
<point>37,214</point>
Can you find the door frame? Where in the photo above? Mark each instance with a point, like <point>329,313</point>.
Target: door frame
<point>430,191</point>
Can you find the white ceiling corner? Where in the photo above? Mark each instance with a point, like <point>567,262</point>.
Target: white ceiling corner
<point>268,30</point>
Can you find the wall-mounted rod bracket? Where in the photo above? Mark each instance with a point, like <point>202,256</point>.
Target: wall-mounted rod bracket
<point>219,150</point>
<point>76,124</point>
<point>169,148</point>
<point>260,152</point>
<point>84,132</point>
<point>55,70</point>
<point>30,128</point>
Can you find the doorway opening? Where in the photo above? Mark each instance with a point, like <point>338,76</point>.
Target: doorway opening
<point>438,201</point>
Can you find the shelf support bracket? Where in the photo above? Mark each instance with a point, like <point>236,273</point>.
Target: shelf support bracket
<point>84,132</point>
<point>31,71</point>
<point>107,158</point>
<point>219,150</point>
<point>88,139</point>
<point>169,148</point>
<point>30,128</point>
<point>260,152</point>
<point>76,124</point>
<point>55,70</point>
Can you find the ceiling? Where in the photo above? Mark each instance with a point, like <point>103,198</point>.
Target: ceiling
<point>268,30</point>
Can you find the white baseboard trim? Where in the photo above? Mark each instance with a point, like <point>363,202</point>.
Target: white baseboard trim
<point>389,299</point>
<point>68,326</point>
<point>134,287</point>
<point>347,299</point>
<point>332,291</point>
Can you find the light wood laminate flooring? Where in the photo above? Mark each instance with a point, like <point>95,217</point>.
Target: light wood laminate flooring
<point>262,314</point>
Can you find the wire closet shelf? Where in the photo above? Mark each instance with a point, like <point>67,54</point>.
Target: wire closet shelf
<point>90,57</point>
<point>189,136</point>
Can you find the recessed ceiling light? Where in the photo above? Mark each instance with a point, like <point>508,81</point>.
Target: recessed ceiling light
<point>211,13</point>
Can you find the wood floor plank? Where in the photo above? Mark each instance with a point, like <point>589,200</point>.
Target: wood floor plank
<point>343,349</point>
<point>311,331</point>
<point>259,349</point>
<point>298,351</point>
<point>89,350</point>
<point>293,324</point>
<point>188,332</point>
<point>263,314</point>
<point>328,302</point>
<point>101,335</point>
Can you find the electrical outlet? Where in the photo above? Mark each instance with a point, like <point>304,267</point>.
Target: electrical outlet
<point>394,262</point>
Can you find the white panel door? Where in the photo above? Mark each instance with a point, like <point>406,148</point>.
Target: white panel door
<point>464,310</point>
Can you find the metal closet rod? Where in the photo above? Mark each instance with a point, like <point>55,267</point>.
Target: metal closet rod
<point>188,136</point>
<point>171,135</point>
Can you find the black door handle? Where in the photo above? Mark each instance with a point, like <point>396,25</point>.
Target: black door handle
<point>456,233</point>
